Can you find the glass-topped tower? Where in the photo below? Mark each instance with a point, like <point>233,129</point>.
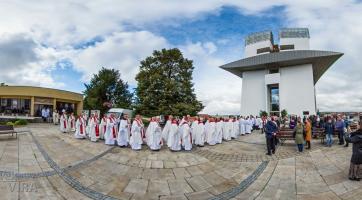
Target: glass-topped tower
<point>280,76</point>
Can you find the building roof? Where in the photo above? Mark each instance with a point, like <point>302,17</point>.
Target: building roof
<point>321,61</point>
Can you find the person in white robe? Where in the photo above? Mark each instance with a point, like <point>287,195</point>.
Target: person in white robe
<point>71,122</point>
<point>166,129</point>
<point>248,125</point>
<point>174,137</point>
<point>103,127</point>
<point>236,130</point>
<point>137,133</point>
<point>123,131</point>
<point>80,128</point>
<point>94,128</point>
<point>55,117</point>
<point>219,128</point>
<point>242,126</point>
<point>211,132</point>
<point>228,125</point>
<point>258,123</point>
<point>199,132</point>
<point>150,129</point>
<point>194,124</point>
<point>63,123</point>
<point>155,137</point>
<point>111,133</point>
<point>186,141</point>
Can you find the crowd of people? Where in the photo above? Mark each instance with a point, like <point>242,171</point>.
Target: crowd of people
<point>183,133</point>
<point>177,133</point>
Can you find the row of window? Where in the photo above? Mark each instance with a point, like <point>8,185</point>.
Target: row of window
<point>281,47</point>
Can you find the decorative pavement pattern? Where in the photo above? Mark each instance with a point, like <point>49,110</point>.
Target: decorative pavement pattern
<point>45,164</point>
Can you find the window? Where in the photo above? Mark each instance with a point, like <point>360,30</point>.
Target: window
<point>15,106</point>
<point>274,99</point>
<point>263,50</point>
<point>274,70</point>
<point>287,47</point>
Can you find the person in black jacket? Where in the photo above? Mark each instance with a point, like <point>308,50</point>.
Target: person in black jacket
<point>355,169</point>
<point>270,131</point>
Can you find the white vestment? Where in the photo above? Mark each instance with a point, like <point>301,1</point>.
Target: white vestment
<point>174,138</point>
<point>259,123</point>
<point>103,127</point>
<point>186,136</point>
<point>71,123</point>
<point>219,128</point>
<point>236,131</point>
<point>155,137</point>
<point>123,133</point>
<point>63,123</point>
<point>136,138</point>
<point>150,129</point>
<point>228,128</point>
<point>199,132</point>
<point>248,126</point>
<point>55,118</point>
<point>242,126</point>
<point>194,125</point>
<point>166,131</point>
<point>111,132</point>
<point>79,128</point>
<point>211,133</point>
<point>93,129</point>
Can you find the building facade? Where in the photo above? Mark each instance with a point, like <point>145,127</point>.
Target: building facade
<point>280,76</point>
<point>29,101</point>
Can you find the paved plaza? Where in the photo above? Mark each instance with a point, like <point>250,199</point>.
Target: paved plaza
<point>45,164</point>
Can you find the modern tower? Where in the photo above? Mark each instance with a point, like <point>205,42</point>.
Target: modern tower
<point>277,77</point>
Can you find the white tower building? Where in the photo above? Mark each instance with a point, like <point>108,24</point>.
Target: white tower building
<point>277,77</point>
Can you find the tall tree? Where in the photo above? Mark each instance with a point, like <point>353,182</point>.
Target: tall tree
<point>107,88</point>
<point>165,85</point>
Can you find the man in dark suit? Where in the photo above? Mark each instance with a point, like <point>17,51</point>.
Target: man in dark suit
<point>270,131</point>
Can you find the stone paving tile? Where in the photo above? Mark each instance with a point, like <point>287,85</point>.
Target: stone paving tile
<point>159,187</point>
<point>198,183</point>
<point>180,173</point>
<point>173,197</point>
<point>200,195</point>
<point>179,186</point>
<point>137,186</point>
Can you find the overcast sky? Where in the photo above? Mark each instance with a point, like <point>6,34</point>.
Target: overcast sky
<point>60,44</point>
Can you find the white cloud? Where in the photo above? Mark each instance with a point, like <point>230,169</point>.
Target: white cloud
<point>24,62</point>
<point>120,50</point>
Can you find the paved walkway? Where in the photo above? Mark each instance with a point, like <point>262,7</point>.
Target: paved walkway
<point>49,165</point>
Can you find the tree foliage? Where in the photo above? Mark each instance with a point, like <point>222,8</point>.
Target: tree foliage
<point>165,85</point>
<point>107,87</point>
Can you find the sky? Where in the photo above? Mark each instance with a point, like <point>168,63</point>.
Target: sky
<point>61,44</point>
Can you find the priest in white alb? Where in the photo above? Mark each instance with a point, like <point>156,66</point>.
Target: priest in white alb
<point>199,133</point>
<point>71,122</point>
<point>111,131</point>
<point>80,128</point>
<point>63,122</point>
<point>174,137</point>
<point>211,132</point>
<point>123,131</point>
<point>103,127</point>
<point>93,128</point>
<point>184,129</point>
<point>137,133</point>
<point>155,136</point>
<point>219,128</point>
<point>166,129</point>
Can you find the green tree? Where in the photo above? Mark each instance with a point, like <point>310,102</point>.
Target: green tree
<point>284,113</point>
<point>107,88</point>
<point>165,85</point>
<point>263,113</point>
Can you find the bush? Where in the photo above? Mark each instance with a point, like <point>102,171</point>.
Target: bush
<point>21,122</point>
<point>9,123</point>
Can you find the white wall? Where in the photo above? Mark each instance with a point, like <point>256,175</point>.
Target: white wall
<point>299,43</point>
<point>296,89</point>
<point>250,50</point>
<point>253,96</point>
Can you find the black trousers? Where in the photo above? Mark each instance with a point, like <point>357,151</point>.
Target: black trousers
<point>341,136</point>
<point>270,144</point>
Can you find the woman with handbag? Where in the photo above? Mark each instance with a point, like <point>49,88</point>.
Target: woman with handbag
<point>356,159</point>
